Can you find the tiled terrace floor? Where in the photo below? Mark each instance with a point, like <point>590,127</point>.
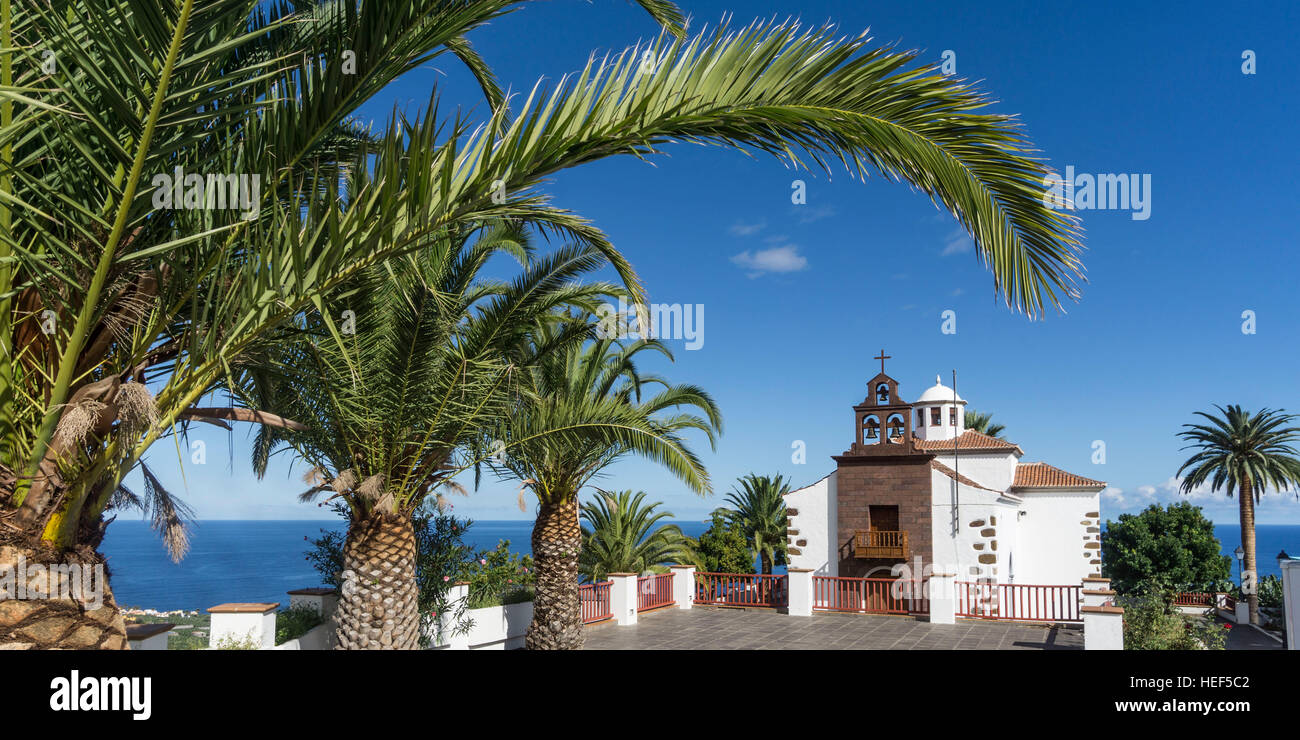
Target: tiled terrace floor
<point>705,628</point>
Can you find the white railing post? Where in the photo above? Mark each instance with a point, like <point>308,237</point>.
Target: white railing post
<point>1096,592</point>
<point>622,597</point>
<point>242,624</point>
<point>943,597</point>
<point>148,636</point>
<point>1290,598</point>
<point>683,585</point>
<point>1103,627</point>
<point>799,582</point>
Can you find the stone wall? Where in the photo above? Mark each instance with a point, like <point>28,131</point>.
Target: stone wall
<point>902,481</point>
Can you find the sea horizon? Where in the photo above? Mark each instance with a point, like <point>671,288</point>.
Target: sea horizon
<point>260,560</point>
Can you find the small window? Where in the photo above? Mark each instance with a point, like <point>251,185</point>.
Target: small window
<point>920,417</point>
<point>952,417</point>
<point>936,417</point>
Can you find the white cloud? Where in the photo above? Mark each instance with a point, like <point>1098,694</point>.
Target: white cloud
<point>957,242</point>
<point>777,259</point>
<point>809,215</point>
<point>741,228</point>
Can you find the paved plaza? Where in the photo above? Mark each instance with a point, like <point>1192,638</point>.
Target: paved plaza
<point>705,628</point>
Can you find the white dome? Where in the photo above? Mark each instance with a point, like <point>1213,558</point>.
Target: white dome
<point>938,393</point>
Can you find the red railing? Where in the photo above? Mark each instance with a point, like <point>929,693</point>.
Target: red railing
<point>1197,599</point>
<point>653,592</point>
<point>1207,600</point>
<point>1018,601</point>
<point>594,600</point>
<point>741,589</point>
<point>869,595</point>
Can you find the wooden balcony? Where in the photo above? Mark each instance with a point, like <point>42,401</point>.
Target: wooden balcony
<point>880,543</point>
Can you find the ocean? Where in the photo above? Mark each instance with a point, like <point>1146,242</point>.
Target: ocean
<point>261,560</point>
<point>255,561</point>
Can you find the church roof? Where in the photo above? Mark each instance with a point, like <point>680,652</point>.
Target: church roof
<point>1042,475</point>
<point>969,441</point>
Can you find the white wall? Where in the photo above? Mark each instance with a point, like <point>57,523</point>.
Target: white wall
<point>494,628</point>
<point>1053,532</point>
<point>956,551</point>
<point>321,637</point>
<point>991,470</point>
<point>817,522</point>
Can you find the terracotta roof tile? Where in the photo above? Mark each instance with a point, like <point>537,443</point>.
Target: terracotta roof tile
<point>970,440</point>
<point>1042,475</point>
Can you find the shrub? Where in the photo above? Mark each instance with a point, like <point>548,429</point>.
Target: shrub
<point>294,622</point>
<point>1152,623</point>
<point>498,577</point>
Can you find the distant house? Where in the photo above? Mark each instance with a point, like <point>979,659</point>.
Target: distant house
<point>916,489</point>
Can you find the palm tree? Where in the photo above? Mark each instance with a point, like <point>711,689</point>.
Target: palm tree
<point>585,411</point>
<point>389,407</point>
<point>982,423</point>
<point>1242,454</point>
<point>120,313</point>
<point>758,510</point>
<point>622,536</point>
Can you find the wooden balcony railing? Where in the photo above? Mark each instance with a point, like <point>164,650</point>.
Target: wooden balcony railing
<point>880,543</point>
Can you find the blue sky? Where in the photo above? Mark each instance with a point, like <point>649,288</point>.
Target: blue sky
<point>798,299</point>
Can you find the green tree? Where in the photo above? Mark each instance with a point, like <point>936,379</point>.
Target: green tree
<point>582,412</point>
<point>1170,548</point>
<point>721,548</point>
<point>1243,455</point>
<point>391,410</point>
<point>120,314</point>
<point>758,512</point>
<point>624,535</point>
<point>982,423</point>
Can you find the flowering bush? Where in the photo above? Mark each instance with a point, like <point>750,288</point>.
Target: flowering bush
<point>498,576</point>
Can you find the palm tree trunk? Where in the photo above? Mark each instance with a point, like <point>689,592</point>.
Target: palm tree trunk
<point>1246,501</point>
<point>764,563</point>
<point>35,622</point>
<point>557,616</point>
<point>379,604</point>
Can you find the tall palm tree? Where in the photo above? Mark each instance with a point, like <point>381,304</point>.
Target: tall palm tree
<point>1242,454</point>
<point>120,313</point>
<point>623,535</point>
<point>389,408</point>
<point>982,423</point>
<point>585,411</point>
<point>758,510</point>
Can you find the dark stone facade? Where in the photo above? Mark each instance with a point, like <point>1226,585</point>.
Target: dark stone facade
<point>885,472</point>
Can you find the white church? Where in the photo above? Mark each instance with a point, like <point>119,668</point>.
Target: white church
<point>917,488</point>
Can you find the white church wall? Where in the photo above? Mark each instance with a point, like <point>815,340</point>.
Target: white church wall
<point>1054,532</point>
<point>816,524</point>
<point>986,531</point>
<point>996,470</point>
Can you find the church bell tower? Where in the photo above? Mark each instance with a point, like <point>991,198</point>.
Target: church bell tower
<point>882,423</point>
